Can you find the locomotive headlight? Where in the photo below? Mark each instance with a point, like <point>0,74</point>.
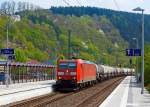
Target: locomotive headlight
<point>73,73</point>
<point>59,77</point>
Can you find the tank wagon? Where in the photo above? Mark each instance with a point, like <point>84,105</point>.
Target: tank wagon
<point>77,73</point>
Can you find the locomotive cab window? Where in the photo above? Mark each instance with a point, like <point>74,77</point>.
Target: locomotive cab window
<point>63,65</point>
<point>72,65</point>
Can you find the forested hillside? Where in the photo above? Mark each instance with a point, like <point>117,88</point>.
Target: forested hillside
<point>128,24</point>
<point>43,36</point>
<point>147,66</point>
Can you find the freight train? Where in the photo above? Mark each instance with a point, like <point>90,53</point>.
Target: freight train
<point>77,73</point>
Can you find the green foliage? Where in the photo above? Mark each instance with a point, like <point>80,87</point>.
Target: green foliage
<point>128,24</point>
<point>43,36</point>
<point>20,55</point>
<point>147,65</point>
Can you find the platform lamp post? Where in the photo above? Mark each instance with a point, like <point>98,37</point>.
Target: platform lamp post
<point>3,12</point>
<point>137,46</point>
<point>142,10</point>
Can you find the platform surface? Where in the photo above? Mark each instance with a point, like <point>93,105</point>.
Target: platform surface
<point>22,91</point>
<point>127,94</point>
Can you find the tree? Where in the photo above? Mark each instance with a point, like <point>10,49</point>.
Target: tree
<point>20,55</point>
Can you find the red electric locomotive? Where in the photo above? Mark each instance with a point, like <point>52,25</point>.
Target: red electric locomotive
<point>75,73</point>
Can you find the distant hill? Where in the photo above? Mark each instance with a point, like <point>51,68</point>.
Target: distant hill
<point>43,36</point>
<point>128,24</point>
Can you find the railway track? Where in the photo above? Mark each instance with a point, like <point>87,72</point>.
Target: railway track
<point>40,101</point>
<point>97,98</point>
<point>86,97</point>
<point>83,98</point>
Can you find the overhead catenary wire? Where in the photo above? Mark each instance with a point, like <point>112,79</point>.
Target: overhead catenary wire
<point>79,3</point>
<point>67,3</point>
<point>116,4</point>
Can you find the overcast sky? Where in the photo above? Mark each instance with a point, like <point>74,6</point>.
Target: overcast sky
<point>122,5</point>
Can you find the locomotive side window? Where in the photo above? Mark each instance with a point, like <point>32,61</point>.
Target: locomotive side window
<point>72,65</point>
<point>63,65</point>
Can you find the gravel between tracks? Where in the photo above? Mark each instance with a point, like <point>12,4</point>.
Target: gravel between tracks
<point>89,97</point>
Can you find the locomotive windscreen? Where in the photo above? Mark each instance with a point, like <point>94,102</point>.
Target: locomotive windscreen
<point>63,65</point>
<point>70,65</point>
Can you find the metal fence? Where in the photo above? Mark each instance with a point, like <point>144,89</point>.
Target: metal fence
<point>21,73</point>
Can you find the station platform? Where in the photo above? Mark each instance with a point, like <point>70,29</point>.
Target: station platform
<point>127,94</point>
<point>22,91</point>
